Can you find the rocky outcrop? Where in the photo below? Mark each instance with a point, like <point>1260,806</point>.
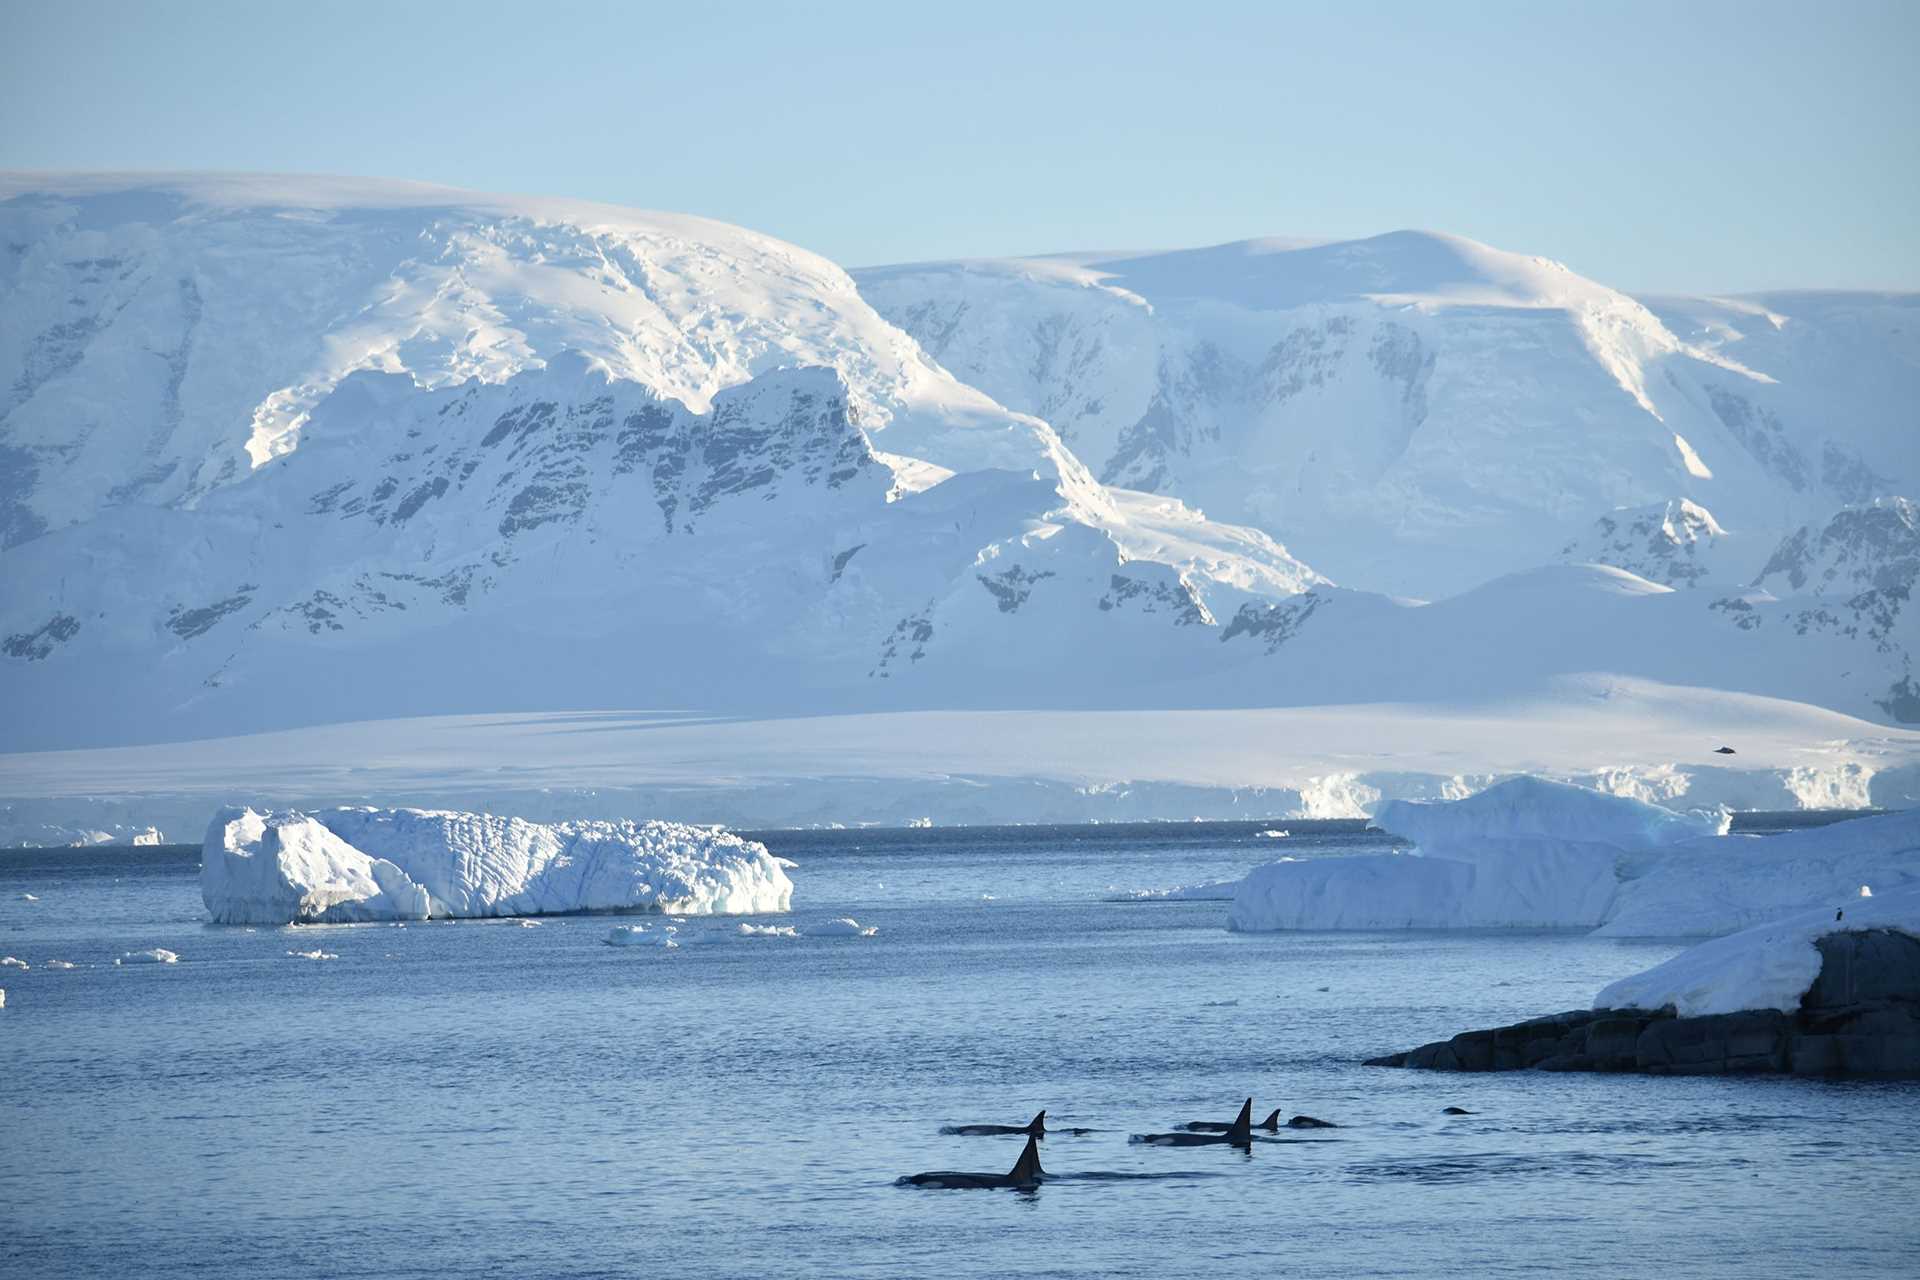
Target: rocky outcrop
<point>1861,1018</point>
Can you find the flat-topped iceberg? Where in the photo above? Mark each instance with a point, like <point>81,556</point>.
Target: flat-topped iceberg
<point>1543,855</point>
<point>1528,814</point>
<point>342,865</point>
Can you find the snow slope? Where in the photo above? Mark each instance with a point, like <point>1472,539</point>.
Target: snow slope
<point>358,864</point>
<point>1417,412</point>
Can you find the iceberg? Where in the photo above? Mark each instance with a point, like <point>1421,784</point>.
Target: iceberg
<point>1527,814</point>
<point>639,935</point>
<point>156,955</point>
<point>1770,966</point>
<point>841,928</point>
<point>1528,853</point>
<point>360,864</point>
<point>1704,888</point>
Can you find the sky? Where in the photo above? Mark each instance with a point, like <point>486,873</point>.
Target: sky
<point>1686,147</point>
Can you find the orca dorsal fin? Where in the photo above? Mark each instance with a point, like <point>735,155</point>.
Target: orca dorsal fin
<point>1027,1170</point>
<point>1272,1121</point>
<point>1037,1127</point>
<point>1242,1132</point>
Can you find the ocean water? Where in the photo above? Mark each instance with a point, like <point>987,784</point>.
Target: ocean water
<point>486,1099</point>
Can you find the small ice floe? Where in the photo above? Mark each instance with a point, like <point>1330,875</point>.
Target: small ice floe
<point>1218,1004</point>
<point>28,897</point>
<point>640,935</point>
<point>1274,834</point>
<point>315,954</point>
<point>154,955</point>
<point>989,897</point>
<point>702,938</point>
<point>844,927</point>
<point>3,997</point>
<point>919,824</point>
<point>61,964</point>
<point>529,924</point>
<point>1213,891</point>
<point>12,962</point>
<point>768,931</point>
<point>1866,891</point>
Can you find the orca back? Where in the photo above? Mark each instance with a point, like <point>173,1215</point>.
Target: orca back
<point>1037,1127</point>
<point>1241,1135</point>
<point>1026,1170</point>
<point>1272,1122</point>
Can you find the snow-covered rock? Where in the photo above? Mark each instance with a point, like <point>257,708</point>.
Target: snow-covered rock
<point>1533,854</point>
<point>155,955</point>
<point>1852,580</point>
<point>1769,966</point>
<point>1672,543</point>
<point>409,864</point>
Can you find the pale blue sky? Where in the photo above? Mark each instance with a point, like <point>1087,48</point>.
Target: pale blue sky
<point>1689,145</point>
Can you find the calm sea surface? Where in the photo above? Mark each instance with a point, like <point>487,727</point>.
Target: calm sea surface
<point>457,1099</point>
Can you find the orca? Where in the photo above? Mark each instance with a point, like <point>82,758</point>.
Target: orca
<point>1308,1122</point>
<point>1034,1128</point>
<point>1725,751</point>
<point>1271,1124</point>
<point>1238,1134</point>
<point>1456,1111</point>
<point>1025,1175</point>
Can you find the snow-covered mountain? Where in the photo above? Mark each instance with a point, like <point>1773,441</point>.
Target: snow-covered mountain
<point>281,452</point>
<point>1417,413</point>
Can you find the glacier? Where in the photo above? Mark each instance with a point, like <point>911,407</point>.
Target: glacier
<point>364,864</point>
<point>1534,854</point>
